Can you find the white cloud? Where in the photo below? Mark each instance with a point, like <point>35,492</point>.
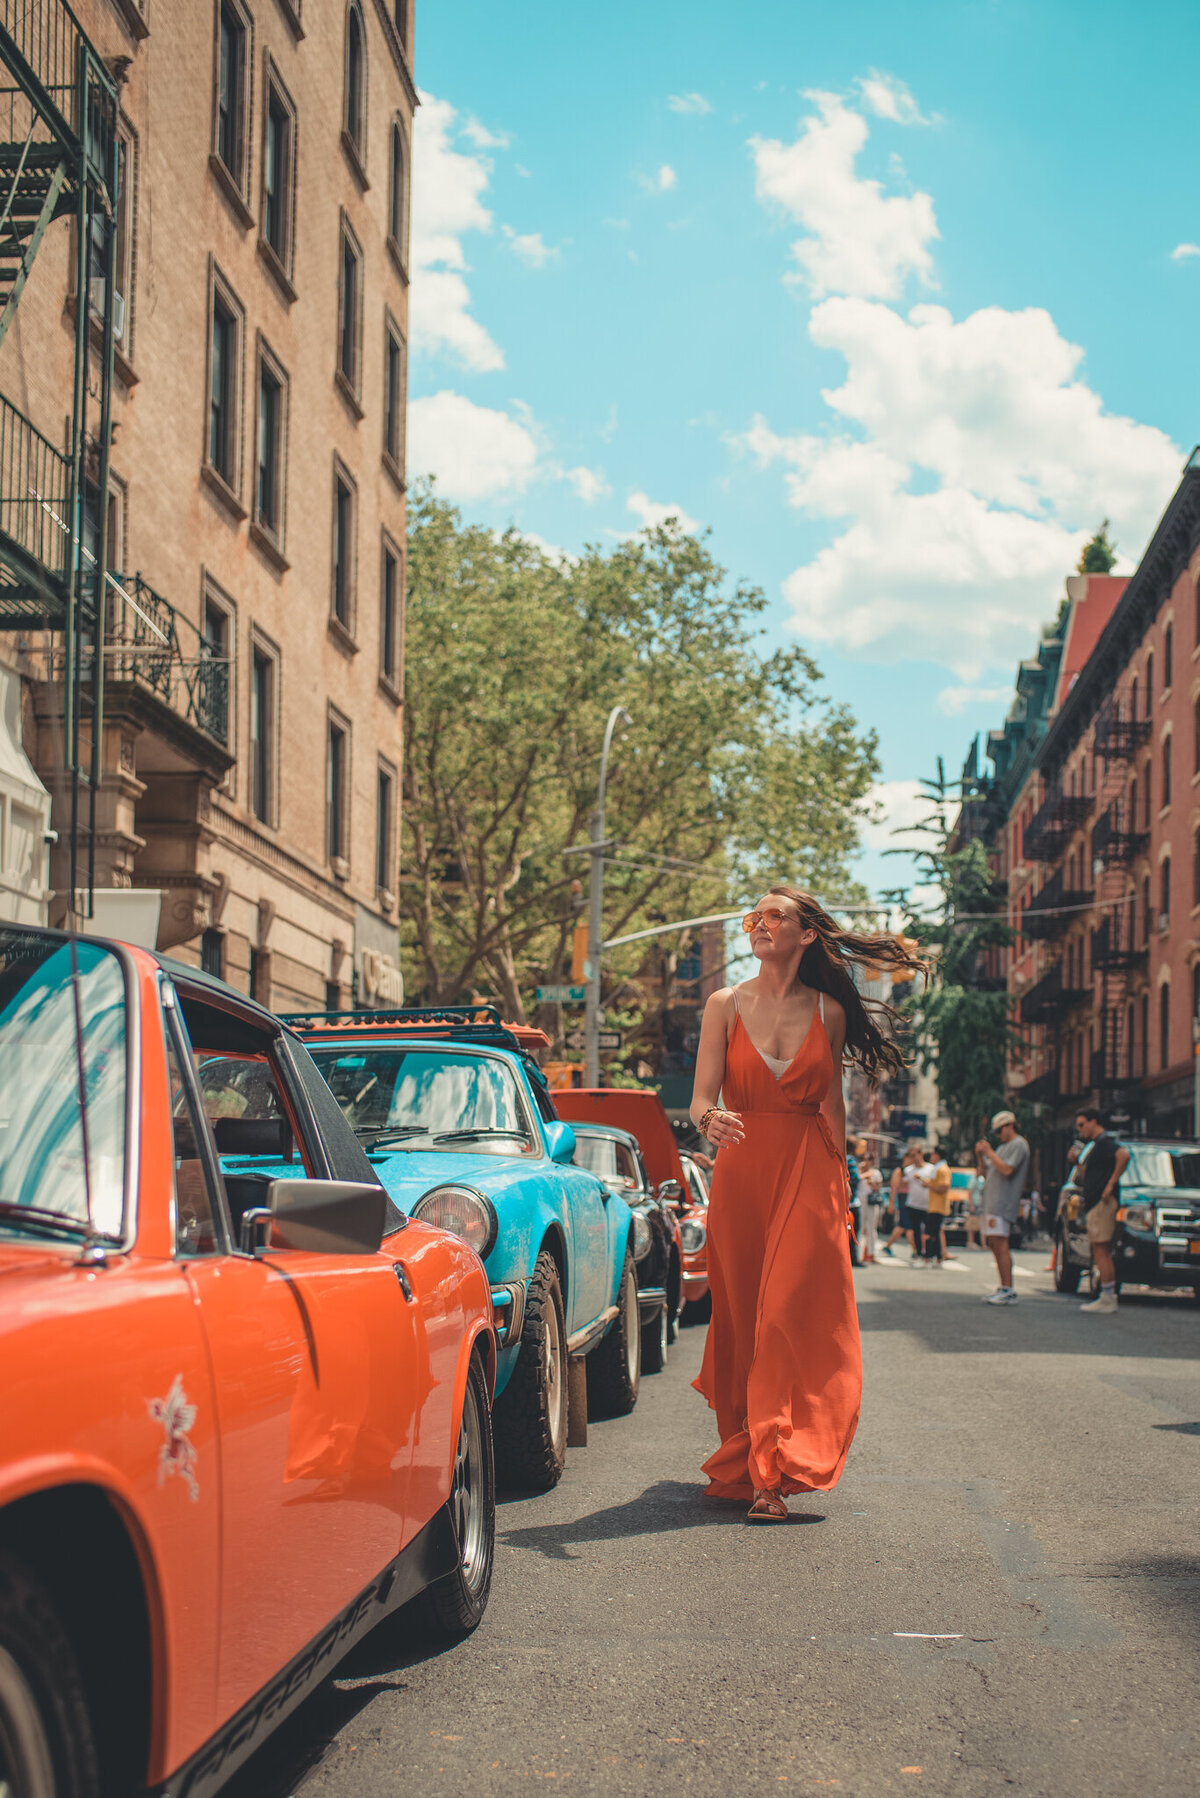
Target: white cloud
<point>474,451</point>
<point>588,483</point>
<point>529,247</point>
<point>953,701</point>
<point>482,138</point>
<point>890,98</point>
<point>648,513</point>
<point>661,182</point>
<point>689,103</point>
<point>1182,251</point>
<point>897,805</point>
<point>858,239</point>
<point>449,186</point>
<point>982,465</point>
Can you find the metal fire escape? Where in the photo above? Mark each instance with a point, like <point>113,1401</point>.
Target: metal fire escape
<point>1117,949</point>
<point>58,159</point>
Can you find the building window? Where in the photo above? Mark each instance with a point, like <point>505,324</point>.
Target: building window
<point>212,954</point>
<point>385,829</point>
<point>1166,771</point>
<point>224,383</point>
<point>1149,683</point>
<point>1133,803</point>
<point>337,791</point>
<point>402,21</point>
<point>398,193</point>
<point>1133,701</point>
<point>1144,1043</point>
<point>1164,1024</point>
<point>1196,735</point>
<point>270,446</point>
<point>355,119</point>
<point>260,976</point>
<point>389,615</point>
<point>1198,613</point>
<point>123,239</point>
<point>1130,1064</point>
<point>1164,910</point>
<point>233,62</point>
<point>395,371</point>
<point>1168,657</point>
<point>263,701</point>
<point>218,669</point>
<point>279,170</point>
<point>1146,909</point>
<point>343,548</point>
<point>350,311</point>
<point>1146,795</point>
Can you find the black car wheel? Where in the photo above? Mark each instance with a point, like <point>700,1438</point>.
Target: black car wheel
<point>455,1605</point>
<point>46,1746</point>
<point>655,1339</point>
<point>614,1367</point>
<point>1066,1272</point>
<point>698,1311</point>
<point>531,1413</point>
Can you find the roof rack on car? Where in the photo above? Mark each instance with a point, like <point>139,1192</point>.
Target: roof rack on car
<point>453,1023</point>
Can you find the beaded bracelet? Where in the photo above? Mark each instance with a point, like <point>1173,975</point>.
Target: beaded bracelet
<point>712,1112</point>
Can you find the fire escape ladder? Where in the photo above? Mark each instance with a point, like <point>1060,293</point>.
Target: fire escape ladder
<point>1113,954</point>
<point>37,186</point>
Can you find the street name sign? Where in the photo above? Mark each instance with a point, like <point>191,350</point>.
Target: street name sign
<point>561,995</point>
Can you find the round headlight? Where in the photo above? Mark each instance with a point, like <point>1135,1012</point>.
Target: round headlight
<point>640,1236</point>
<point>692,1236</point>
<point>463,1212</point>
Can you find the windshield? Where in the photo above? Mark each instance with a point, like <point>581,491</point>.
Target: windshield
<point>597,1154</point>
<point>1163,1167</point>
<point>427,1098</point>
<point>62,1084</point>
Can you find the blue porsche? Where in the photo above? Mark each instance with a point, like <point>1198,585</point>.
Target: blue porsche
<point>455,1116</point>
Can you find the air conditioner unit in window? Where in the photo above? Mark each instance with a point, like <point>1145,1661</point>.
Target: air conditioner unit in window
<point>1164,920</point>
<point>96,303</point>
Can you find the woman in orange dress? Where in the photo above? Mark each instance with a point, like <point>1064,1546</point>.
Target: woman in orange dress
<point>782,1367</point>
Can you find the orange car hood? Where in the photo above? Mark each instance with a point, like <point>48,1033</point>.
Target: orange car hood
<point>633,1109</point>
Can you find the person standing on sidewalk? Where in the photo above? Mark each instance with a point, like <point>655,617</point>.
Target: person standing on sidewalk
<point>919,1176</point>
<point>899,1192</point>
<point>870,1196</point>
<point>939,1209</point>
<point>1100,1170</point>
<point>1003,1184</point>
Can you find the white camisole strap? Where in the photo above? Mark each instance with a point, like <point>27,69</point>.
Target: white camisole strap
<point>821,1005</point>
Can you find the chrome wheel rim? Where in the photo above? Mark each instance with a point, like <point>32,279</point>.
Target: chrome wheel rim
<point>633,1332</point>
<point>26,1770</point>
<point>468,1491</point>
<point>556,1385</point>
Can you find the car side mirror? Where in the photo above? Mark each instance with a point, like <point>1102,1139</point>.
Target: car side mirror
<point>670,1192</point>
<point>560,1142</point>
<point>326,1217</point>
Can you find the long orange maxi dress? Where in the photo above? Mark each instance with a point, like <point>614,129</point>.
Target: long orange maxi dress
<point>782,1364</point>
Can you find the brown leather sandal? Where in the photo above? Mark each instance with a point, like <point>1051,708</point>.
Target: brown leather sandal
<point>768,1507</point>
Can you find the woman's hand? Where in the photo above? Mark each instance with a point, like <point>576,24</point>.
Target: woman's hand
<point>725,1127</point>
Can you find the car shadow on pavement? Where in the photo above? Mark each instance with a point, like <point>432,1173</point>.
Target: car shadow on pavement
<point>667,1505</point>
<point>298,1747</point>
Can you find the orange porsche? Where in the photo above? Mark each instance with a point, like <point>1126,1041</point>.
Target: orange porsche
<point>246,1412</point>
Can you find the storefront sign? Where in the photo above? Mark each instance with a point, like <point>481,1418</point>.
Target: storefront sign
<point>382,981</point>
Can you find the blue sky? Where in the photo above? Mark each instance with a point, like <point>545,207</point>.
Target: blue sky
<point>898,301</point>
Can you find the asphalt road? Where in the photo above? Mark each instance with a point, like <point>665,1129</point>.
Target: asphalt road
<point>1002,1593</point>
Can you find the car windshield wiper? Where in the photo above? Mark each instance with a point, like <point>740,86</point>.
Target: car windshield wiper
<point>37,1219</point>
<point>472,1135</point>
<point>392,1133</point>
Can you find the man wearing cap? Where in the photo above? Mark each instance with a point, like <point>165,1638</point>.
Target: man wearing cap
<point>1003,1184</point>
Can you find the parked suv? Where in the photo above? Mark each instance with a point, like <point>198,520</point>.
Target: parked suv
<point>1158,1221</point>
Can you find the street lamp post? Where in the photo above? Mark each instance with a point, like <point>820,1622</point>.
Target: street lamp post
<point>591,1016</point>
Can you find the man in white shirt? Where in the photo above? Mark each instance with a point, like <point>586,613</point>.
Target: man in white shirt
<point>920,1173</point>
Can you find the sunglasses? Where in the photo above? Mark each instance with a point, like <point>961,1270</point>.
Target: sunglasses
<point>772,917</point>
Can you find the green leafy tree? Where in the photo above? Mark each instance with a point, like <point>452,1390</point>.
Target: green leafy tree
<point>736,768</point>
<point>1099,553</point>
<point>959,1022</point>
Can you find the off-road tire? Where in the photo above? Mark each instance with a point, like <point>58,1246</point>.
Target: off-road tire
<point>655,1335</point>
<point>614,1367</point>
<point>698,1311</point>
<point>530,1440</point>
<point>454,1606</point>
<point>46,1743</point>
<point>1067,1273</point>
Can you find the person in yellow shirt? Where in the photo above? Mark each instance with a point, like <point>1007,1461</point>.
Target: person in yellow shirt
<point>939,1209</point>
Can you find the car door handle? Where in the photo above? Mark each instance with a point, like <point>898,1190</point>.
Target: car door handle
<point>401,1273</point>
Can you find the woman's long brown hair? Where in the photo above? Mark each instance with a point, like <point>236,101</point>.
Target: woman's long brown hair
<point>826,964</point>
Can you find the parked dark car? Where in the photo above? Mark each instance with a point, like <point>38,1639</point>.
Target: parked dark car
<point>1158,1221</point>
<point>615,1157</point>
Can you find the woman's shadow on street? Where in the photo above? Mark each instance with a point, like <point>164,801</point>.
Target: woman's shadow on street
<point>667,1505</point>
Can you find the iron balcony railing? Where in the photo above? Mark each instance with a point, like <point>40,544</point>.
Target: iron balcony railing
<point>1054,823</point>
<point>1113,942</point>
<point>1116,737</point>
<point>1049,997</point>
<point>1056,906</point>
<point>59,73</point>
<point>1115,839</point>
<point>147,642</point>
<point>35,483</point>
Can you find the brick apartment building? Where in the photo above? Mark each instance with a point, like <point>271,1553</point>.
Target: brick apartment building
<point>253,524</point>
<point>1092,817</point>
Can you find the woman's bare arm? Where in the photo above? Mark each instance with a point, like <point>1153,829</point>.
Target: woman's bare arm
<point>710,1068</point>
